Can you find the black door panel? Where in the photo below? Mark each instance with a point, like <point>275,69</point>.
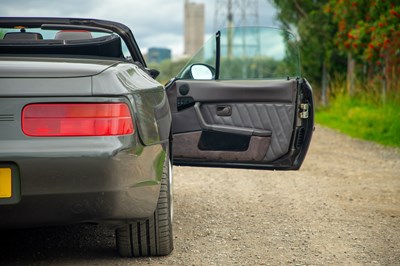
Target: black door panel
<point>236,122</point>
<point>282,91</point>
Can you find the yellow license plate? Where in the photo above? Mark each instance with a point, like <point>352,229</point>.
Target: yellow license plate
<point>5,183</point>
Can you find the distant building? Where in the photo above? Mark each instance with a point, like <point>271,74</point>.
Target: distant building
<point>158,55</point>
<point>194,27</point>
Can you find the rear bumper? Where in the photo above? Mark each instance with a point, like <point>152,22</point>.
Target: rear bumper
<point>60,209</point>
<point>112,180</point>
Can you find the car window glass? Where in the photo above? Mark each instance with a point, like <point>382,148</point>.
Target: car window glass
<point>257,53</point>
<point>205,56</point>
<point>249,53</point>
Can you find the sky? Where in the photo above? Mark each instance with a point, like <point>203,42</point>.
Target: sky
<point>155,23</point>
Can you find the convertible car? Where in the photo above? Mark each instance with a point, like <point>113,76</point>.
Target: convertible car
<point>87,135</point>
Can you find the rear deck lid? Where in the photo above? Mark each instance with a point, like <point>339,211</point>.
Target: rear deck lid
<point>25,76</point>
<point>47,67</point>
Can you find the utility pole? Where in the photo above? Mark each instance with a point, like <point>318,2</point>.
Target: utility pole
<point>235,13</point>
<point>229,13</point>
<point>230,25</point>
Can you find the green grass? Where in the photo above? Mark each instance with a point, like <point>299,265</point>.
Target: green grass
<point>363,118</point>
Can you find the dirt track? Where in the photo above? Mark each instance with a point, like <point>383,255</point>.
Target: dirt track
<point>341,208</point>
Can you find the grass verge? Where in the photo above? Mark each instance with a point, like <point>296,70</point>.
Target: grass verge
<point>364,118</point>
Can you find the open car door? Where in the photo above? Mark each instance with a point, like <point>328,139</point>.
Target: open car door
<point>241,102</point>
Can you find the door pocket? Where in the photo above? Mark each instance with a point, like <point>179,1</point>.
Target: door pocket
<point>222,141</point>
<point>194,145</point>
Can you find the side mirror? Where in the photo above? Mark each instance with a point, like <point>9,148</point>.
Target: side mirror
<point>153,73</point>
<point>200,71</point>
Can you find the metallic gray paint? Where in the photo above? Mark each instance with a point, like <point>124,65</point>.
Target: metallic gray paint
<point>45,67</point>
<point>84,183</point>
<point>151,104</point>
<point>82,179</point>
<point>111,78</point>
<point>25,87</point>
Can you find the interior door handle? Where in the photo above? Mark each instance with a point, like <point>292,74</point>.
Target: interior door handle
<point>225,110</point>
<point>230,129</point>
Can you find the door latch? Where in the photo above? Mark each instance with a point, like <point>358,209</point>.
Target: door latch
<point>304,110</point>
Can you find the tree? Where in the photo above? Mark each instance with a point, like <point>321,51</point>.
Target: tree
<point>370,32</point>
<point>320,57</point>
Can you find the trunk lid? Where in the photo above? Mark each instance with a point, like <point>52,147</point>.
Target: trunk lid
<point>33,76</point>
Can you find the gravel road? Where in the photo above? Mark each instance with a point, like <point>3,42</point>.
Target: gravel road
<point>341,208</point>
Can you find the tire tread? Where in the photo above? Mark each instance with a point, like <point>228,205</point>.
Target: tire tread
<point>153,236</point>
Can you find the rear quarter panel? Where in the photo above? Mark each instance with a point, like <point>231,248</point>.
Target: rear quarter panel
<point>152,110</point>
<point>122,168</point>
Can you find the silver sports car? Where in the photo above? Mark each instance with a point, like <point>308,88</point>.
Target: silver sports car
<point>87,135</point>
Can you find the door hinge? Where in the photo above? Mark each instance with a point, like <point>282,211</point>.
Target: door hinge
<point>304,110</point>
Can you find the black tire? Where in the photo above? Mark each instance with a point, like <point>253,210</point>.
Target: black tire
<point>152,236</point>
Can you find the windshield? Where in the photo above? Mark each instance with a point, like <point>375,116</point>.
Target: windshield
<point>250,53</point>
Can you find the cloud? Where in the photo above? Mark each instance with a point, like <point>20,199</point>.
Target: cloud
<point>150,20</point>
<point>47,8</point>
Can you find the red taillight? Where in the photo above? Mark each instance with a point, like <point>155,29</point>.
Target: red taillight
<point>76,119</point>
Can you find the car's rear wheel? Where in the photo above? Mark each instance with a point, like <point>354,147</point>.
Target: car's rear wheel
<point>152,236</point>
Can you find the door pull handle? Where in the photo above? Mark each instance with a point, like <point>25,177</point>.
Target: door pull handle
<point>225,110</point>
